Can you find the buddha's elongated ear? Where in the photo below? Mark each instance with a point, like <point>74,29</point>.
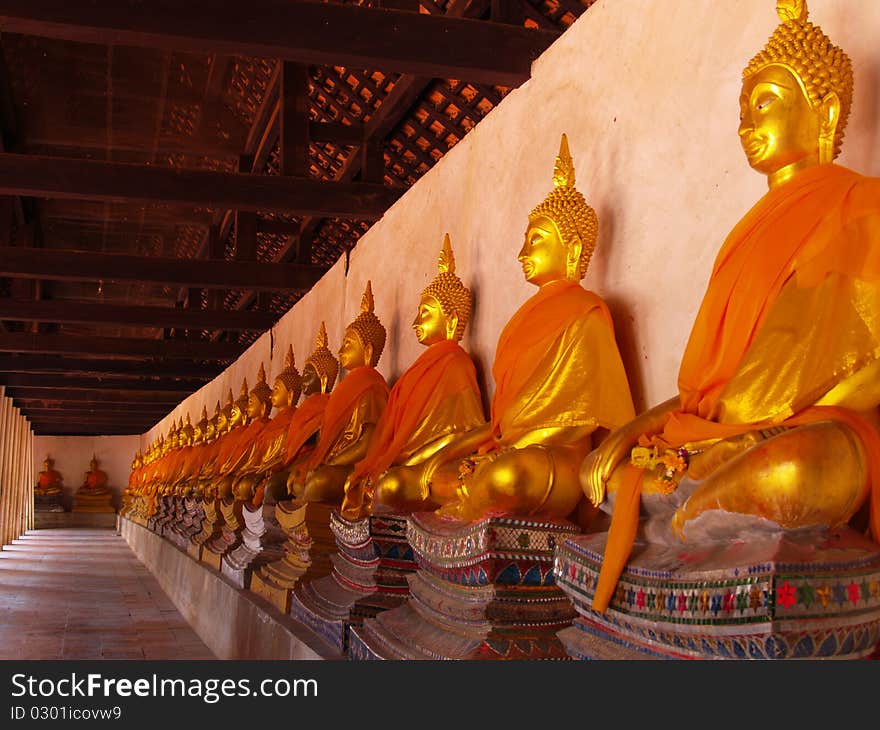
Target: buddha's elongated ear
<point>451,326</point>
<point>573,250</point>
<point>829,118</point>
<point>368,355</point>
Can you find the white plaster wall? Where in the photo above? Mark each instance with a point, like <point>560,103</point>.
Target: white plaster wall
<point>72,455</point>
<point>648,95</point>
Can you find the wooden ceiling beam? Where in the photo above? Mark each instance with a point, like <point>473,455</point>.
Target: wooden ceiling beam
<point>204,372</point>
<point>85,312</point>
<point>117,347</point>
<point>66,265</point>
<point>75,179</point>
<point>167,398</point>
<point>53,408</point>
<point>93,382</point>
<point>303,32</point>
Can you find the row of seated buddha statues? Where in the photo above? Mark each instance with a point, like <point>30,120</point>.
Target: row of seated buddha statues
<point>738,519</point>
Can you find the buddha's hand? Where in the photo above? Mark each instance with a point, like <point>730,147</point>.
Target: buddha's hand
<point>601,462</point>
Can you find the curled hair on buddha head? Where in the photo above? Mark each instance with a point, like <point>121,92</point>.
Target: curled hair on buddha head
<point>262,390</point>
<point>323,361</point>
<point>805,50</point>
<point>453,296</point>
<point>565,206</point>
<point>367,325</point>
<point>290,376</point>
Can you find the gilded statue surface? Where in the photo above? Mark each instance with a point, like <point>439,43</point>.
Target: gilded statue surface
<point>319,375</point>
<point>434,400</point>
<point>775,423</point>
<point>49,480</point>
<point>351,411</point>
<point>558,377</point>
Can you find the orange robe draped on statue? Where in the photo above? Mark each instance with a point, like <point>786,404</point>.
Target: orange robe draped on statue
<point>820,229</point>
<point>304,424</point>
<point>358,384</point>
<point>442,373</point>
<point>557,364</point>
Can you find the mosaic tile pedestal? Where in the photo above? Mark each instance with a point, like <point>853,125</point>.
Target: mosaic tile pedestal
<point>48,503</point>
<point>305,552</point>
<point>368,576</point>
<point>194,515</point>
<point>212,527</point>
<point>788,595</point>
<point>229,536</point>
<point>484,590</point>
<point>262,541</point>
<point>163,504</point>
<point>174,515</point>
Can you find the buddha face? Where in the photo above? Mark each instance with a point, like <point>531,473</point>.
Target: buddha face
<point>198,434</point>
<point>311,381</point>
<point>280,395</point>
<point>254,407</point>
<point>210,431</point>
<point>431,324</point>
<point>543,256</point>
<point>353,353</point>
<point>778,127</point>
<point>236,416</point>
<point>222,423</point>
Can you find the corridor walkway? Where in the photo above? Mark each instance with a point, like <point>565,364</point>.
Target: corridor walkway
<point>82,594</point>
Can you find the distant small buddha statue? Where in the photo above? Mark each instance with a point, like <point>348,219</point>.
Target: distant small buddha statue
<point>433,401</point>
<point>269,446</point>
<point>558,377</point>
<point>353,409</point>
<point>257,409</point>
<point>50,481</point>
<point>94,495</point>
<point>232,423</point>
<point>318,378</point>
<point>774,426</point>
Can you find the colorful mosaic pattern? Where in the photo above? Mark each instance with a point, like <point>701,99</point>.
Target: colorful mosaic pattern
<point>705,602</point>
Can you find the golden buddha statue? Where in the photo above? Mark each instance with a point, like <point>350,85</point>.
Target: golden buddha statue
<point>269,446</point>
<point>318,378</point>
<point>49,481</point>
<point>94,495</point>
<point>558,377</point>
<point>231,426</point>
<point>257,409</point>
<point>774,426</point>
<point>352,410</point>
<point>433,401</point>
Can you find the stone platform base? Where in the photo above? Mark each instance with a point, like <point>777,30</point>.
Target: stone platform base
<point>233,623</point>
<point>368,577</point>
<point>48,503</point>
<point>54,520</point>
<point>307,552</point>
<point>791,595</point>
<point>484,590</point>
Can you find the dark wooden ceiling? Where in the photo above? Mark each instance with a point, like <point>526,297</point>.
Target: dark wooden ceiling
<point>175,176</point>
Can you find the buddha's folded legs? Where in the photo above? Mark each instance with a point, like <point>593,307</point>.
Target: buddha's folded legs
<point>400,488</point>
<point>326,483</point>
<point>808,476</point>
<point>534,480</point>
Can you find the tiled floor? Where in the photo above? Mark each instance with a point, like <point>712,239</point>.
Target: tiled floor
<point>82,594</point>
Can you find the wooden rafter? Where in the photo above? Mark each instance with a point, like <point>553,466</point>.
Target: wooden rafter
<point>63,265</point>
<point>204,372</point>
<point>117,347</point>
<point>57,177</point>
<point>303,32</point>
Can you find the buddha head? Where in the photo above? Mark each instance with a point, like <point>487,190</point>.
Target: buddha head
<point>93,464</point>
<point>47,463</point>
<point>259,400</point>
<point>201,428</point>
<point>288,383</point>
<point>238,413</point>
<point>445,305</point>
<point>364,338</point>
<point>796,97</point>
<point>562,230</point>
<point>224,423</point>
<point>187,433</point>
<point>321,368</point>
<point>217,424</point>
